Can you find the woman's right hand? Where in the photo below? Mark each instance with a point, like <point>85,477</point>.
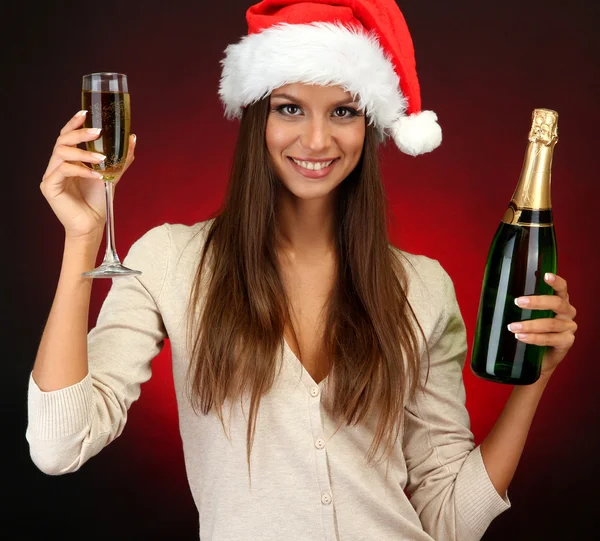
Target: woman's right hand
<point>75,192</point>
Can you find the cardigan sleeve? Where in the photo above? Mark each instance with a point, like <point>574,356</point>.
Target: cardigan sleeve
<point>447,481</point>
<point>67,427</point>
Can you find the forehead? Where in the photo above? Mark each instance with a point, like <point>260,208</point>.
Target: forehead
<point>308,92</point>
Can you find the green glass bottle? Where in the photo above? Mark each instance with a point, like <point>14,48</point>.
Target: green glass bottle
<point>522,251</point>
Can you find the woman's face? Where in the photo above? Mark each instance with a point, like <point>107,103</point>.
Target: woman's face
<point>313,125</point>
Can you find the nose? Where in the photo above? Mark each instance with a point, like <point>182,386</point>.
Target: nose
<point>316,135</point>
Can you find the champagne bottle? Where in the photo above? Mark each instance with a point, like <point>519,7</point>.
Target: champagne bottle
<point>521,252</point>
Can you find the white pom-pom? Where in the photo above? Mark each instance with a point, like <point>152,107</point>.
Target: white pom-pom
<point>417,134</point>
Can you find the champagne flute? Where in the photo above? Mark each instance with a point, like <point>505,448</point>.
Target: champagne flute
<point>105,96</point>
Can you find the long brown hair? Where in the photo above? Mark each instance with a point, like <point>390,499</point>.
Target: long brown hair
<point>370,329</point>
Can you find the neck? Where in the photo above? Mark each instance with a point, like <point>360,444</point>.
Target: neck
<point>306,229</point>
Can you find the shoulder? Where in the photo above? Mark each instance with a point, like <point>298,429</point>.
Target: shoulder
<point>426,276</point>
<point>172,236</point>
<point>430,289</point>
<point>156,247</point>
<point>167,256</point>
<point>186,242</point>
<point>184,236</point>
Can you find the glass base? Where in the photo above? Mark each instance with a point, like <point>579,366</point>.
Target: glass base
<point>111,270</point>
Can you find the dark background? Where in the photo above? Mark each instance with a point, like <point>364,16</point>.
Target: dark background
<point>483,68</point>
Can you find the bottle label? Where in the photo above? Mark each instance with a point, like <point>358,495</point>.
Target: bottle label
<point>527,217</point>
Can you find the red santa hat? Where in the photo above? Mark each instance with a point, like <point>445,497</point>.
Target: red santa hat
<point>364,46</point>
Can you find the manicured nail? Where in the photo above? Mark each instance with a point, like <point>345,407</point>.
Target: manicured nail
<point>521,301</point>
<point>83,112</point>
<point>515,326</point>
<point>99,156</point>
<point>521,336</point>
<point>94,131</point>
<point>134,138</point>
<point>549,277</point>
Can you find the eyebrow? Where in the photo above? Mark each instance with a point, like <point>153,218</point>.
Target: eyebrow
<point>292,98</point>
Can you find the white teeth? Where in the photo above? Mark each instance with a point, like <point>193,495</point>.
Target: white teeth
<point>314,166</point>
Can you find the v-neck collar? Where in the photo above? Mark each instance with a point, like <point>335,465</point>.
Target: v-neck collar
<point>306,377</point>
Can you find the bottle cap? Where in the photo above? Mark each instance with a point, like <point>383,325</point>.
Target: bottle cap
<point>544,126</point>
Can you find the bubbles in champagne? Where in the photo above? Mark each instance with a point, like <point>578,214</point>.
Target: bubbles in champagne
<point>109,111</point>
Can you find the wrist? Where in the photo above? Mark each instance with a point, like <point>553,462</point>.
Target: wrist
<point>79,256</point>
<point>533,389</point>
<point>545,376</point>
<point>92,240</point>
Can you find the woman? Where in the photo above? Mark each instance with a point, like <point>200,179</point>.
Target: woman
<point>318,369</point>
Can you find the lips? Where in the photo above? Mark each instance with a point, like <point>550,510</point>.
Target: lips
<point>309,173</point>
<point>315,160</point>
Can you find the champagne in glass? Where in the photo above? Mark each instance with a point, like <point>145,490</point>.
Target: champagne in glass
<point>105,96</point>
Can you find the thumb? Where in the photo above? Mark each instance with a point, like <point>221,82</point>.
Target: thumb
<point>130,152</point>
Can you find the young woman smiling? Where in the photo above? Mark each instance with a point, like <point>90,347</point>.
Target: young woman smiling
<point>318,368</point>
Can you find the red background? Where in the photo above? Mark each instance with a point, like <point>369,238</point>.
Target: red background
<point>483,68</point>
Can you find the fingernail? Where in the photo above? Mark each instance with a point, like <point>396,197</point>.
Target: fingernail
<point>549,277</point>
<point>83,112</point>
<point>98,156</point>
<point>515,326</point>
<point>134,137</point>
<point>520,336</point>
<point>94,131</point>
<point>521,301</point>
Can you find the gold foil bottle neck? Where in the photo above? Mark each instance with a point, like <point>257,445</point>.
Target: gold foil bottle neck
<point>533,189</point>
<point>544,126</point>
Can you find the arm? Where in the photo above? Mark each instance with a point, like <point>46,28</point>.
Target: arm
<point>448,483</point>
<point>70,424</point>
<point>502,448</point>
<point>61,359</point>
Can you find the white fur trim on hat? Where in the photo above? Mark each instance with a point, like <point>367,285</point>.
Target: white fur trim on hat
<point>324,54</point>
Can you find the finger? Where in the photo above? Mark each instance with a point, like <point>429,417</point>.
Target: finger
<point>557,304</point>
<point>72,138</point>
<point>54,184</point>
<point>561,340</point>
<point>75,137</point>
<point>74,122</point>
<point>543,325</point>
<point>558,284</point>
<point>130,151</point>
<point>74,154</point>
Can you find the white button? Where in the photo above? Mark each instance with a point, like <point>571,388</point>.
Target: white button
<point>314,391</point>
<point>320,443</point>
<point>326,499</point>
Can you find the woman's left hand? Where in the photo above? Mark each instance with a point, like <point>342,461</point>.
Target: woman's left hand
<point>558,333</point>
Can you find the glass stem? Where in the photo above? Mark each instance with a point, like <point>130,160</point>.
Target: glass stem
<point>110,257</point>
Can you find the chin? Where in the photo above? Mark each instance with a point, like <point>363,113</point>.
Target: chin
<point>309,188</point>
<point>303,191</point>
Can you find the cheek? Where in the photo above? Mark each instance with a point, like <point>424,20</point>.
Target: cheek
<point>278,137</point>
<point>354,142</point>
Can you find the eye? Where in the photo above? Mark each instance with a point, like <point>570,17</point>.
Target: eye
<point>281,109</point>
<point>289,109</point>
<point>349,110</point>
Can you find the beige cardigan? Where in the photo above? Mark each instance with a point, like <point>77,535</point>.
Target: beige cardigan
<point>307,484</point>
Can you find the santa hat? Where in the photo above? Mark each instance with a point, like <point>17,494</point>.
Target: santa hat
<point>364,46</point>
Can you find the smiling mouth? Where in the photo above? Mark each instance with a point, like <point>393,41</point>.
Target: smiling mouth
<point>313,165</point>
<point>314,174</point>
